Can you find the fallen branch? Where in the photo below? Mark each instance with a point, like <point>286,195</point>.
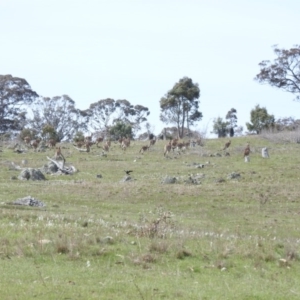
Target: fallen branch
<point>60,167</point>
<point>82,150</point>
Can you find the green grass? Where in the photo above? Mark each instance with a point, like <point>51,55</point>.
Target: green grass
<point>99,238</point>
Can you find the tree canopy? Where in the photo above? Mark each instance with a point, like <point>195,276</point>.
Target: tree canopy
<point>15,94</point>
<point>105,113</point>
<point>232,120</point>
<point>260,119</point>
<point>180,105</point>
<point>220,127</point>
<point>283,72</point>
<point>58,113</point>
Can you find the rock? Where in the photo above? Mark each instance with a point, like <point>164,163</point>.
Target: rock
<point>233,175</point>
<point>264,153</point>
<point>126,178</point>
<point>50,168</point>
<point>28,201</point>
<point>169,180</point>
<point>31,174</point>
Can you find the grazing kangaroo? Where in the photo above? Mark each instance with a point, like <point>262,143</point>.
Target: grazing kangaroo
<point>27,140</point>
<point>227,145</point>
<point>167,148</point>
<point>144,148</point>
<point>51,143</point>
<point>247,150</point>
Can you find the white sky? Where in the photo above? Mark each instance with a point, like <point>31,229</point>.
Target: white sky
<point>138,49</point>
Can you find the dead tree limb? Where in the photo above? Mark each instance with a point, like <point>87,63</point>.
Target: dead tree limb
<point>82,150</point>
<point>60,166</point>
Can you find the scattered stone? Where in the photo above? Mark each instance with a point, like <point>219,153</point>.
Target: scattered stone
<point>50,168</point>
<point>233,175</point>
<point>264,153</point>
<point>31,174</point>
<point>169,180</point>
<point>192,180</point>
<point>126,178</point>
<point>220,180</point>
<point>199,166</point>
<point>44,242</point>
<point>13,178</point>
<point>99,176</point>
<point>28,201</point>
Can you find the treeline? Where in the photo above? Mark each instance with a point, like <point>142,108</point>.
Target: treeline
<point>23,110</point>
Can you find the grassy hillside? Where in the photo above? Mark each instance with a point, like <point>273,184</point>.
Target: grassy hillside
<point>101,238</point>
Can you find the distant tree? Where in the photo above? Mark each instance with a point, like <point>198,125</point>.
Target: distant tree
<point>15,95</point>
<point>78,137</point>
<point>100,113</point>
<point>260,119</point>
<point>239,131</point>
<point>220,127</point>
<point>120,129</point>
<point>131,114</point>
<point>105,113</point>
<point>49,132</point>
<point>232,119</point>
<point>33,134</point>
<point>59,113</point>
<point>284,72</point>
<point>287,123</point>
<point>179,106</point>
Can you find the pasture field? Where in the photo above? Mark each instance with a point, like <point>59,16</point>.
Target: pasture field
<point>100,238</point>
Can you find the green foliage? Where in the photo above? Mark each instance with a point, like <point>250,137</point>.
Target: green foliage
<point>79,137</point>
<point>220,127</point>
<point>260,120</point>
<point>180,105</point>
<point>232,118</point>
<point>120,129</point>
<point>49,132</point>
<point>33,134</point>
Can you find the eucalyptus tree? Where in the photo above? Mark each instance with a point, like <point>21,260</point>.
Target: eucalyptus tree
<point>220,127</point>
<point>283,72</point>
<point>60,114</point>
<point>232,120</point>
<point>180,105</point>
<point>108,112</point>
<point>15,95</point>
<point>100,113</point>
<point>260,120</point>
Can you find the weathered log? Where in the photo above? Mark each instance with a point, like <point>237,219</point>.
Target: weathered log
<point>60,166</point>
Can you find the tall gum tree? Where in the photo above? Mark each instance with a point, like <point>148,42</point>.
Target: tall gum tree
<point>180,105</point>
<point>15,95</point>
<point>108,112</point>
<point>60,113</point>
